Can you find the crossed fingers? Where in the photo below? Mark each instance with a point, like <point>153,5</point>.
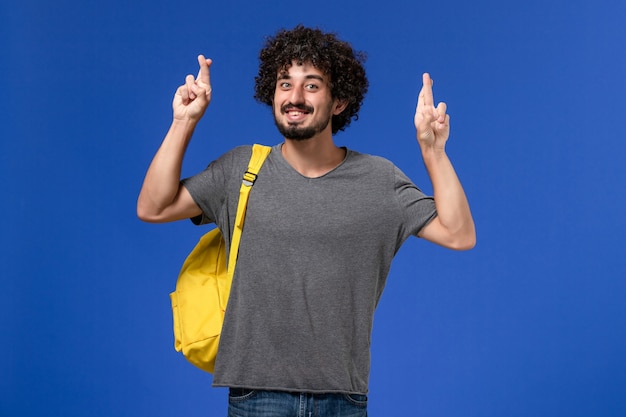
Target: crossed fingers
<point>426,102</point>
<point>195,86</point>
<point>204,75</point>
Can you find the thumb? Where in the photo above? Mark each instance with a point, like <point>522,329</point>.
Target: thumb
<point>441,112</point>
<point>200,95</point>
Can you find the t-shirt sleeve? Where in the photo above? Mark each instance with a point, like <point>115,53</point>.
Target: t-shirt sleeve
<point>209,188</point>
<point>418,208</point>
<point>204,188</point>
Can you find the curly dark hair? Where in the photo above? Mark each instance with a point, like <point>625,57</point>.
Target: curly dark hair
<point>324,51</point>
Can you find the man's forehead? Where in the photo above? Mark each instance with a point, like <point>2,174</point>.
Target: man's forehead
<point>305,69</point>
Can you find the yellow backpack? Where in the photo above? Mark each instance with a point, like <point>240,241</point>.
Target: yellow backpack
<point>203,286</point>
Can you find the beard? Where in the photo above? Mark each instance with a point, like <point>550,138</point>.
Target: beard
<point>294,131</point>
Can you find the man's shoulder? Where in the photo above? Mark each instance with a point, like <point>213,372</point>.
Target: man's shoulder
<point>244,151</point>
<point>369,160</point>
<point>235,157</point>
<point>238,152</point>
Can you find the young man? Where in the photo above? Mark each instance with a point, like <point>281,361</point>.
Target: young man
<point>322,226</point>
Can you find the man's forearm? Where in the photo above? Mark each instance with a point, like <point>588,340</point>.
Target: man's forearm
<point>450,200</point>
<point>162,181</point>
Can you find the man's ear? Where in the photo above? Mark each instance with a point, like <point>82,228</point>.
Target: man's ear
<point>339,106</point>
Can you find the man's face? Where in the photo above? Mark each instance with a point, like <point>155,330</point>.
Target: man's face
<point>303,106</point>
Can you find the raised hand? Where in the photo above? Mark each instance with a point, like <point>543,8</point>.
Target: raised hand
<point>192,98</point>
<point>432,123</point>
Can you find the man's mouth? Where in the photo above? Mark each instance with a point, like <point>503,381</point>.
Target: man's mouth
<point>296,111</point>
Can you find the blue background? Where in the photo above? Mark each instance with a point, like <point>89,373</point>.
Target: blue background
<point>532,322</point>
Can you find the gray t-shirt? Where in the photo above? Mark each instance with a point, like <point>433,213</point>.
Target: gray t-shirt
<point>313,260</point>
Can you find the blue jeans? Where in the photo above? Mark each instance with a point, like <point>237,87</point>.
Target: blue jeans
<point>256,403</point>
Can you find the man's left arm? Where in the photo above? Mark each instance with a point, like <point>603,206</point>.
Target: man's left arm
<point>454,226</point>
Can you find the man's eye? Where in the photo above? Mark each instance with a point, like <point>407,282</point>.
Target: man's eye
<point>284,85</point>
<point>312,86</point>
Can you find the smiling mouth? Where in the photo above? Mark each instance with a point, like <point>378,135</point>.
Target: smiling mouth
<point>296,115</point>
<point>296,111</point>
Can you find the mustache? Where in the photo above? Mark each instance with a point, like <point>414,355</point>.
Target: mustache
<point>301,107</point>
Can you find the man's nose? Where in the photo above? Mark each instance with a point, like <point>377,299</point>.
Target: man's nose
<point>296,96</point>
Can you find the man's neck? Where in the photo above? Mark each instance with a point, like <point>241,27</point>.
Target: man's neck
<point>313,157</point>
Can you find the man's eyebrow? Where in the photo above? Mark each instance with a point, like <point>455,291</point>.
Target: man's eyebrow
<point>314,77</point>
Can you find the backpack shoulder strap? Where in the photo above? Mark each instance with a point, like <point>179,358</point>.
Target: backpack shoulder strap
<point>259,153</point>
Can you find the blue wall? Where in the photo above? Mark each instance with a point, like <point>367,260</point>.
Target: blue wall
<point>532,322</point>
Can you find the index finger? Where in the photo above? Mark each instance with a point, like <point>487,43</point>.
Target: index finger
<point>204,73</point>
<point>426,93</point>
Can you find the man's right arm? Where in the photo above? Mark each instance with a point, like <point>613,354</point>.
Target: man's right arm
<point>162,197</point>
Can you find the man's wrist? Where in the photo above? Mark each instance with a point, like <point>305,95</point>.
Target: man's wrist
<point>183,128</point>
<point>432,153</point>
<point>184,124</point>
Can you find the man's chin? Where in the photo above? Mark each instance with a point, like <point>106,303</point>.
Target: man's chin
<point>298,138</point>
<point>296,133</point>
